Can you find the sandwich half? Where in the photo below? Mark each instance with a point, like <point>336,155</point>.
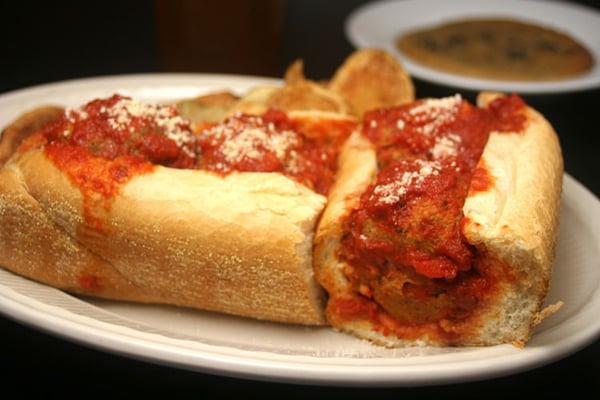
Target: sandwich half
<point>440,229</point>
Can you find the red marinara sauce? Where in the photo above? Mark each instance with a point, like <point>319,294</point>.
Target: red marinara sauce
<point>303,148</point>
<point>105,143</point>
<point>409,264</point>
<point>121,127</point>
<point>102,145</point>
<point>481,180</point>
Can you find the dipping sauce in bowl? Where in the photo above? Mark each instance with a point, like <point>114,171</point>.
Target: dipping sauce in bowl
<point>499,49</point>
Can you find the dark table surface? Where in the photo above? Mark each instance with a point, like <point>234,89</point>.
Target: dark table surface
<point>50,42</point>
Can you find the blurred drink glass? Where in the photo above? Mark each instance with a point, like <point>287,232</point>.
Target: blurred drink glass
<point>220,36</point>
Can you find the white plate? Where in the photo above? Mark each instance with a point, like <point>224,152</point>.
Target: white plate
<point>378,24</point>
<point>234,346</point>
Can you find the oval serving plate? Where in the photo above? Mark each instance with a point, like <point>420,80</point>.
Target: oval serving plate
<point>232,346</point>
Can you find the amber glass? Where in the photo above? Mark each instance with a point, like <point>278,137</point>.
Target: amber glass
<point>226,36</point>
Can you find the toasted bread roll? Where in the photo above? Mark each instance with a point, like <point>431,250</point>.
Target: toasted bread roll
<point>477,275</point>
<point>83,210</point>
<point>23,127</point>
<point>34,246</point>
<point>516,221</point>
<point>237,245</point>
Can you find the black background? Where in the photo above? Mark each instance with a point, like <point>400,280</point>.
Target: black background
<point>50,41</point>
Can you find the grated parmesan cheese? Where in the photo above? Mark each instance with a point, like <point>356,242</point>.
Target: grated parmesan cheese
<point>431,118</point>
<point>393,192</point>
<point>251,138</point>
<point>432,105</point>
<point>72,114</point>
<point>250,144</point>
<point>445,146</point>
<point>434,113</point>
<point>121,114</point>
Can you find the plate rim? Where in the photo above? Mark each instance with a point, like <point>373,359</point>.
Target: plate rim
<point>431,75</point>
<point>292,369</point>
<point>273,368</point>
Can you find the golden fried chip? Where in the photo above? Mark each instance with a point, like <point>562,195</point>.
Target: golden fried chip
<point>372,78</point>
<point>255,101</point>
<point>294,73</point>
<point>308,95</point>
<point>211,107</point>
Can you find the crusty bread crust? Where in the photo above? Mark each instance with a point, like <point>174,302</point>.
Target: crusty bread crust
<point>514,223</point>
<point>34,246</point>
<point>241,244</point>
<point>357,170</point>
<point>22,127</point>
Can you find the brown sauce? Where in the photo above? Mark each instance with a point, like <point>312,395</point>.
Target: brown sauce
<point>499,49</point>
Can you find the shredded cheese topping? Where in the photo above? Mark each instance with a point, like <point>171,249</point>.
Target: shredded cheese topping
<point>71,114</point>
<point>251,138</point>
<point>445,146</point>
<point>121,115</point>
<point>433,113</point>
<point>437,105</point>
<point>427,117</point>
<point>391,193</point>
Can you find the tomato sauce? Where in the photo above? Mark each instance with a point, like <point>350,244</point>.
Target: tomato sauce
<point>107,142</point>
<point>119,126</point>
<point>409,264</point>
<point>90,282</point>
<point>305,149</point>
<point>481,180</point>
<point>98,179</point>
